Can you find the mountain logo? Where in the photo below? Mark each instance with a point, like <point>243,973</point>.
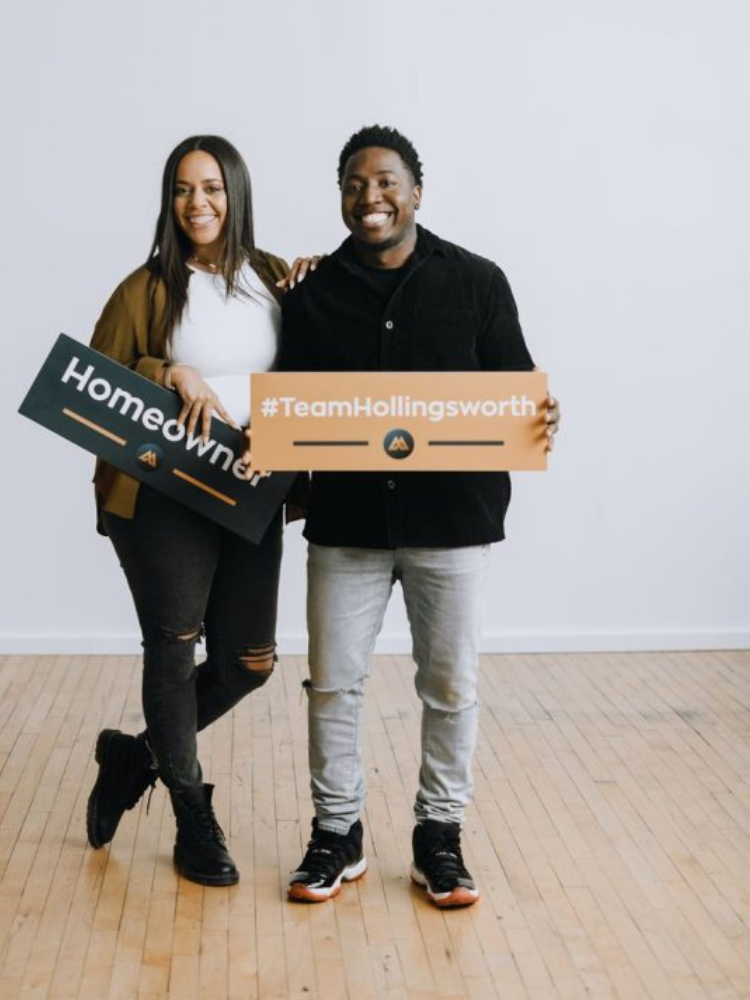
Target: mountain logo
<point>149,457</point>
<point>398,443</point>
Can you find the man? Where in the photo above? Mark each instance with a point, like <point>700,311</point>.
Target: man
<point>394,297</point>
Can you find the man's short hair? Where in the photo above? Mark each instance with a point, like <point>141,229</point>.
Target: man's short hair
<point>388,138</point>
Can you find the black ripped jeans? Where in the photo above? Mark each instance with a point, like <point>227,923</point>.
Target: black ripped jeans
<point>188,575</point>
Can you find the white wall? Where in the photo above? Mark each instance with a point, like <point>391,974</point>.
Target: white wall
<point>599,151</point>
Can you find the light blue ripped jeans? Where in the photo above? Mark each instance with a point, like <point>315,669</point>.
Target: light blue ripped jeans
<point>348,591</point>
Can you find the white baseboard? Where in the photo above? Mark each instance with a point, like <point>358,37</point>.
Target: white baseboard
<point>492,642</point>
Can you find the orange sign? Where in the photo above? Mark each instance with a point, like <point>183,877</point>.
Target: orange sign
<point>358,421</point>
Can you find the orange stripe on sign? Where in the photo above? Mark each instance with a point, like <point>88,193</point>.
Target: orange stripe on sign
<point>206,489</point>
<point>94,427</point>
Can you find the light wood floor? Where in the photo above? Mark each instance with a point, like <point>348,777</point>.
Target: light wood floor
<point>610,837</point>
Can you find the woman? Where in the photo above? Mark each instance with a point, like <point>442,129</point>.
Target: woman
<point>197,318</point>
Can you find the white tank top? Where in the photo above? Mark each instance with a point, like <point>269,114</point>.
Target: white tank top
<point>227,338</point>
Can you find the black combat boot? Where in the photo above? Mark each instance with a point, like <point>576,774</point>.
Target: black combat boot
<point>126,770</point>
<point>200,851</point>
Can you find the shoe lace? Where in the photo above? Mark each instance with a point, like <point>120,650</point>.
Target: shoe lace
<point>446,855</point>
<point>150,795</point>
<point>207,827</point>
<point>325,853</point>
<point>137,791</point>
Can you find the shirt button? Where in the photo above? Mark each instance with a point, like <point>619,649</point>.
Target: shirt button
<point>389,324</point>
<point>391,485</point>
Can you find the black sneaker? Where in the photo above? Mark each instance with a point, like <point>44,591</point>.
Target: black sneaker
<point>126,770</point>
<point>438,865</point>
<point>331,858</point>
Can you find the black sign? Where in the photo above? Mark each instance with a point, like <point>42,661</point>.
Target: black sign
<point>131,422</point>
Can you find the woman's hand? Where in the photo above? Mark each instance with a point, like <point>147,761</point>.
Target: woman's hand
<point>199,401</point>
<point>298,271</point>
<point>552,414</point>
<point>247,459</point>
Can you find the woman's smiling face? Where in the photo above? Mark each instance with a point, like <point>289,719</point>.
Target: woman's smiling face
<point>200,203</point>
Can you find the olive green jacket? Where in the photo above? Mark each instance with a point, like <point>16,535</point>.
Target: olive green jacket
<point>125,332</point>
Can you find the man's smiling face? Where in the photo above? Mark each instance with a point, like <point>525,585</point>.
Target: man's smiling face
<point>378,199</point>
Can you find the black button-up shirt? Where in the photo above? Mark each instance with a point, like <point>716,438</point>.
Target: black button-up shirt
<point>448,310</point>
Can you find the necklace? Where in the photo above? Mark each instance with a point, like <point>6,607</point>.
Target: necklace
<point>209,264</point>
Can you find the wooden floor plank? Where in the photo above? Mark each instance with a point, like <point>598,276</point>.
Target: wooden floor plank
<point>609,835</point>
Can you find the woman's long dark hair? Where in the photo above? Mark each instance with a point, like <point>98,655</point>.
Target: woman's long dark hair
<point>171,247</point>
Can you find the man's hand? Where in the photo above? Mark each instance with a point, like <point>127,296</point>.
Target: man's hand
<point>552,415</point>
